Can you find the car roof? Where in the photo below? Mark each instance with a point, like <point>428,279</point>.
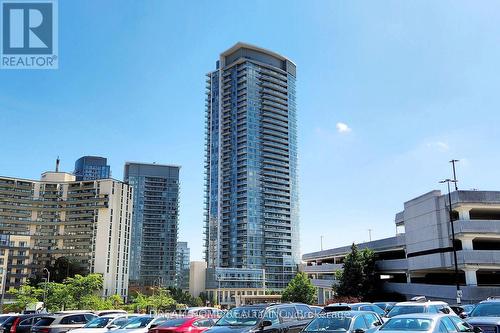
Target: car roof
<point>422,303</point>
<point>422,315</point>
<point>350,313</point>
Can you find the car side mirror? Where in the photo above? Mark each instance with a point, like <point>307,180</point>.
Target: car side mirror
<point>359,330</point>
<point>477,329</point>
<point>265,323</point>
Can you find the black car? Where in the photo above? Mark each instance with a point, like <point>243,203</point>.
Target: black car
<point>290,318</point>
<point>19,323</point>
<point>486,315</point>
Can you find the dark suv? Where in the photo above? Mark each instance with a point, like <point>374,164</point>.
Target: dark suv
<point>486,315</point>
<point>19,323</point>
<point>274,318</point>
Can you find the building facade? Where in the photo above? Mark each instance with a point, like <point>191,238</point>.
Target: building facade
<point>419,260</point>
<point>92,168</point>
<point>252,217</point>
<point>155,223</point>
<point>183,259</point>
<point>86,222</point>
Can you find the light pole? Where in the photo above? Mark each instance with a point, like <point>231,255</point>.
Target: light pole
<point>46,285</point>
<point>450,212</point>
<point>453,161</point>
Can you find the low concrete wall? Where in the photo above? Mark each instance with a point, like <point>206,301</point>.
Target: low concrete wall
<point>440,292</point>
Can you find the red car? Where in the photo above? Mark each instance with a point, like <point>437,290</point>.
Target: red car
<point>184,325</point>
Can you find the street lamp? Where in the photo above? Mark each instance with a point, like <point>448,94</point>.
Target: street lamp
<point>45,289</point>
<point>450,211</point>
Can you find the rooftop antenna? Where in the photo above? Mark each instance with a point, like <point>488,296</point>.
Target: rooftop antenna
<point>454,173</point>
<point>57,164</point>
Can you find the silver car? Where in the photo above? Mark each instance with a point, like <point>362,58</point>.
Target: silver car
<point>427,322</point>
<point>141,324</point>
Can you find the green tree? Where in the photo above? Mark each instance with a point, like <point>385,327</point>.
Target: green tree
<point>81,288</point>
<point>357,279</point>
<point>300,289</point>
<point>25,295</point>
<point>162,300</point>
<point>116,301</point>
<point>57,298</point>
<point>140,303</point>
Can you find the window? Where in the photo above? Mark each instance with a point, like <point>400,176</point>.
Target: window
<point>450,327</point>
<point>74,319</point>
<point>360,323</point>
<point>461,325</point>
<point>288,313</point>
<point>26,322</point>
<point>272,316</point>
<point>304,312</point>
<point>372,320</point>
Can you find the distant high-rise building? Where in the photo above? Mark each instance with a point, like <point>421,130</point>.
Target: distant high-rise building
<point>86,223</point>
<point>252,212</point>
<point>92,168</point>
<point>183,254</point>
<point>153,252</point>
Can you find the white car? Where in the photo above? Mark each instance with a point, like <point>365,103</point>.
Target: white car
<point>141,324</point>
<point>104,324</point>
<point>420,306</point>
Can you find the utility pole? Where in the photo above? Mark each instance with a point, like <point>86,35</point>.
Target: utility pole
<point>453,161</point>
<point>45,294</point>
<point>450,212</point>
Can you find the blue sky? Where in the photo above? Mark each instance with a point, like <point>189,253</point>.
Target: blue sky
<point>388,92</point>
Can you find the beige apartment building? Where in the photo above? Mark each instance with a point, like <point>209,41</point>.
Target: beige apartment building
<point>87,222</point>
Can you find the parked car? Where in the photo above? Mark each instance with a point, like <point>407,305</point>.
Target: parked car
<point>334,307</point>
<point>141,324</point>
<point>184,325</point>
<point>20,323</point>
<point>462,310</point>
<point>109,312</point>
<point>61,323</point>
<point>290,318</point>
<point>386,306</point>
<point>420,306</point>
<point>367,307</point>
<point>344,321</point>
<point>4,317</point>
<point>427,322</point>
<point>204,312</point>
<point>316,309</point>
<point>486,315</point>
<point>104,324</point>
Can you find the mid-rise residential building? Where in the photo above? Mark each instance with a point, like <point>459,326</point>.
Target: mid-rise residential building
<point>183,255</point>
<point>419,259</point>
<point>155,224</point>
<point>252,213</point>
<point>87,222</point>
<point>92,168</point>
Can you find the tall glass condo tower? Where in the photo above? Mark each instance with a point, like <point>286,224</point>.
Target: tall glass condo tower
<point>252,209</point>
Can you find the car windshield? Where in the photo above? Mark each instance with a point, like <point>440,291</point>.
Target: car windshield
<point>174,322</point>
<point>241,317</point>
<point>486,310</point>
<point>329,322</point>
<point>405,309</point>
<point>138,323</point>
<point>3,319</point>
<point>407,324</point>
<point>98,323</point>
<point>468,307</point>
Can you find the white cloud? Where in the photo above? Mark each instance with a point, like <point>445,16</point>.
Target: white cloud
<point>343,128</point>
<point>439,145</point>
